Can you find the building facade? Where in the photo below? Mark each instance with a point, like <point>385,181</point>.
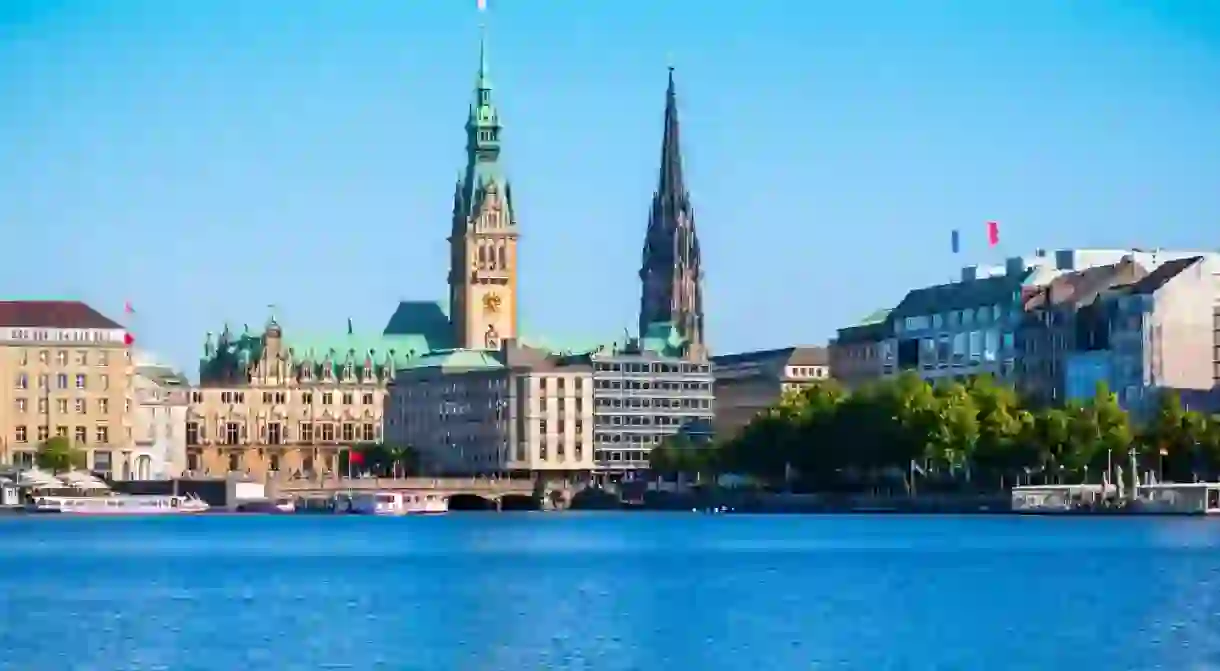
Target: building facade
<point>671,274</point>
<point>67,372</point>
<point>266,406</point>
<point>855,353</point>
<point>158,450</point>
<point>516,411</point>
<point>644,394</point>
<point>751,382</point>
<point>483,240</point>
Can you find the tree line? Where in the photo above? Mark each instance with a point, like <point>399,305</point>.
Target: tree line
<point>905,433</point>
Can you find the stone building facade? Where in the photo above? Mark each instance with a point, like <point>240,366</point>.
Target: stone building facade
<point>751,382</point>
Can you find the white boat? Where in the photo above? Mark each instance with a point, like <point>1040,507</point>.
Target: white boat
<point>117,504</point>
<point>1178,498</point>
<point>399,503</point>
<point>285,505</point>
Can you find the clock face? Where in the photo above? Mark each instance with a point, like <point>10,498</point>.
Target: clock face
<point>491,303</point>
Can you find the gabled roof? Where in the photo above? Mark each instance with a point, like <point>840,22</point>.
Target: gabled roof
<point>1162,275</point>
<point>799,355</point>
<point>419,326</point>
<point>1080,287</point>
<point>53,314</point>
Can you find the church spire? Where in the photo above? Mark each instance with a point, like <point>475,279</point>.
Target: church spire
<point>671,273</point>
<point>670,183</point>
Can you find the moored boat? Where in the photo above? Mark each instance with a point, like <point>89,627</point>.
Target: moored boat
<point>398,503</point>
<point>117,504</point>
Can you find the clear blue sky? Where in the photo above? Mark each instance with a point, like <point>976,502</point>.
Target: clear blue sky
<point>205,159</point>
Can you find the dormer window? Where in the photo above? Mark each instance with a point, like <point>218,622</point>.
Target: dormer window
<point>348,373</point>
<point>306,372</point>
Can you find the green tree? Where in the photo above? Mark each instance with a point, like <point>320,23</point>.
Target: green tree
<point>59,455</point>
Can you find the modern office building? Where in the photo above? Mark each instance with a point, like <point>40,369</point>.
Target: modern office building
<point>751,382</point>
<point>645,393</point>
<point>515,411</point>
<point>67,372</point>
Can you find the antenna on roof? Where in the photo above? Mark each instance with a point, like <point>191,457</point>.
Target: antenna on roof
<point>349,325</point>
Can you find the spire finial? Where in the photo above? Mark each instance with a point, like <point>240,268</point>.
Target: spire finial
<point>483,69</point>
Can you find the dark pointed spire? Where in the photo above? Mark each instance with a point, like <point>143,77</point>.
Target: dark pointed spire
<point>670,183</point>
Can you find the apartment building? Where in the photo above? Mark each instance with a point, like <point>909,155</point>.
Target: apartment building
<point>67,372</point>
<point>162,396</point>
<point>750,382</point>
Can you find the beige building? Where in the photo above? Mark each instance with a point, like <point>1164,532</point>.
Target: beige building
<point>66,371</point>
<point>158,450</point>
<point>750,382</point>
<point>514,411</point>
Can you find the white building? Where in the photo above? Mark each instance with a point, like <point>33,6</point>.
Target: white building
<point>516,410</point>
<point>158,437</point>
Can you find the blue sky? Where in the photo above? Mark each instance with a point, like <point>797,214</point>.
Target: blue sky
<point>206,159</point>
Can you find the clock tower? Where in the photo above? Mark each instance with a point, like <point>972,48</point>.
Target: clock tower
<point>483,239</point>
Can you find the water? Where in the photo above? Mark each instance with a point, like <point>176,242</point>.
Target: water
<point>608,592</point>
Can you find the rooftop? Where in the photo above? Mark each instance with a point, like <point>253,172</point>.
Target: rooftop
<point>53,314</point>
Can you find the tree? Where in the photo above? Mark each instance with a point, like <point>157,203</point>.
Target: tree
<point>58,455</point>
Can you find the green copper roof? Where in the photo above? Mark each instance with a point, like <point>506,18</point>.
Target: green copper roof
<point>663,338</point>
<point>483,136</point>
<point>455,360</point>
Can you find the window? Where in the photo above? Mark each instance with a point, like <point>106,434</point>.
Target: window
<point>24,357</point>
<point>21,405</point>
<point>61,381</point>
<point>43,382</point>
<point>42,406</point>
<point>349,431</point>
<point>43,356</point>
<point>103,359</point>
<point>234,461</point>
<point>307,398</point>
<point>82,358</point>
<point>348,398</point>
<point>23,381</point>
<point>61,406</point>
<point>61,431</point>
<point>327,398</point>
<point>273,434</point>
<point>367,434</point>
<point>81,435</point>
<point>267,397</point>
<point>274,462</point>
<point>192,433</point>
<point>43,433</point>
<point>102,434</point>
<point>367,399</point>
<point>61,358</point>
<point>103,406</point>
<point>232,433</point>
<point>101,461</point>
<point>80,406</point>
<point>20,435</point>
<point>328,433</point>
<point>306,430</point>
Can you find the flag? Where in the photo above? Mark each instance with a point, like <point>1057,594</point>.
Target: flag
<point>482,5</point>
<point>128,339</point>
<point>993,233</point>
<point>956,241</point>
<point>354,457</point>
<point>128,309</point>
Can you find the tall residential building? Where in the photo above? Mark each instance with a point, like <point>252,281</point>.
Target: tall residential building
<point>515,411</point>
<point>643,394</point>
<point>483,239</point>
<point>66,371</point>
<point>750,382</point>
<point>158,422</point>
<point>671,273</point>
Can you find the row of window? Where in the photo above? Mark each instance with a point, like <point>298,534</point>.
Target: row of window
<point>62,381</point>
<point>81,358</point>
<point>630,456</point>
<point>237,463</point>
<point>601,438</point>
<point>79,405</point>
<point>80,434</point>
<point>816,372</point>
<point>954,319</point>
<point>670,403</point>
<point>284,397</point>
<point>659,385</point>
<point>642,420</point>
<point>277,433</point>
<point>652,367</point>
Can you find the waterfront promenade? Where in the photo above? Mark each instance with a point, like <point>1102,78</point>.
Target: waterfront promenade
<point>494,490</point>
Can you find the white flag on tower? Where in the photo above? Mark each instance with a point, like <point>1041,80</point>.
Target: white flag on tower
<point>482,5</point>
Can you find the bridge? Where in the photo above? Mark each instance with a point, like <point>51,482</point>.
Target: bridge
<point>492,490</point>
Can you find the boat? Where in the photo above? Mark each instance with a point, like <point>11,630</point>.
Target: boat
<point>1177,498</point>
<point>117,504</point>
<point>398,503</point>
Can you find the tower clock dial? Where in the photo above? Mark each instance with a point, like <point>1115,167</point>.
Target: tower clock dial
<point>491,303</point>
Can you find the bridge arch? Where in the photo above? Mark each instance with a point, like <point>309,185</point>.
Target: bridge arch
<point>466,501</point>
<point>518,502</point>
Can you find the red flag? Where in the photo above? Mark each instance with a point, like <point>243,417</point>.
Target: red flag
<point>993,233</point>
<point>354,457</point>
<point>128,339</point>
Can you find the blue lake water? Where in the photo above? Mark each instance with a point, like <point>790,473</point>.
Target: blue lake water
<point>608,592</point>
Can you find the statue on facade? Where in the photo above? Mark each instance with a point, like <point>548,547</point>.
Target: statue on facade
<point>491,339</point>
